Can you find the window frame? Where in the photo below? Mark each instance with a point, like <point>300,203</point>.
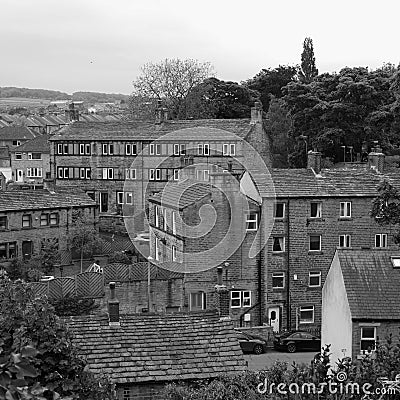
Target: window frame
<point>282,244</point>
<point>236,298</point>
<point>319,209</point>
<point>278,275</point>
<point>346,241</point>
<point>29,216</point>
<point>127,196</point>
<point>320,243</point>
<point>366,339</point>
<point>173,253</point>
<point>54,216</point>
<point>120,197</point>
<point>280,203</point>
<point>251,221</point>
<point>313,275</point>
<point>345,208</point>
<point>203,296</point>
<point>307,309</point>
<point>18,155</point>
<point>173,222</point>
<point>246,299</point>
<point>381,237</point>
<point>176,174</point>
<point>5,227</point>
<point>44,219</point>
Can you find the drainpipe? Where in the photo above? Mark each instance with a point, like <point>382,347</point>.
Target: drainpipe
<point>260,258</point>
<point>288,305</point>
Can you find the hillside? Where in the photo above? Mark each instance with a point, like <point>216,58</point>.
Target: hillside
<point>49,95</point>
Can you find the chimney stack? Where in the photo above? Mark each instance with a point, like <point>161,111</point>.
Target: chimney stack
<point>256,113</point>
<point>113,307</point>
<point>161,113</point>
<point>314,161</point>
<point>222,298</point>
<point>376,158</point>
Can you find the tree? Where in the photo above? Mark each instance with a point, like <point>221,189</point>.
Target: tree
<point>171,81</point>
<point>386,207</point>
<point>214,98</point>
<point>83,236</point>
<point>269,82</point>
<point>308,69</point>
<point>345,108</point>
<point>37,357</point>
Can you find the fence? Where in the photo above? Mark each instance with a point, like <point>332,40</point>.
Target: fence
<point>85,284</point>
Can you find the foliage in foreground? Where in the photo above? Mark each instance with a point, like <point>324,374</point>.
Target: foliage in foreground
<point>37,357</point>
<point>250,385</point>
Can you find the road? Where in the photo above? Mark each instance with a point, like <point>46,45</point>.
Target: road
<point>262,361</point>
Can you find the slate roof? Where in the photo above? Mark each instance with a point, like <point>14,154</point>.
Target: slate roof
<point>39,144</point>
<point>349,182</point>
<point>15,132</point>
<point>181,194</point>
<point>371,282</point>
<point>215,129</point>
<point>18,200</point>
<point>158,348</point>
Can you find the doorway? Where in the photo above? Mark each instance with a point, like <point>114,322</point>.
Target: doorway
<point>274,319</point>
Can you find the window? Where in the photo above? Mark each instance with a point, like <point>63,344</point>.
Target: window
<point>108,173</point>
<point>34,172</point>
<point>108,149</point>
<point>151,174</point>
<point>34,156</point>
<point>345,209</point>
<point>66,173</point>
<point>203,149</point>
<point>91,195</point>
<point>8,250</point>
<point>26,221</point>
<point>87,148</point>
<point>158,174</point>
<point>314,279</point>
<point>246,298</point>
<point>280,210</point>
<point>60,173</point>
<point>278,280</point>
<point>344,241</point>
<point>225,149</point>
<point>65,148</point>
<point>229,149</point>
<point>206,149</point>
<point>173,253</point>
<point>251,221</point>
<point>381,240</point>
<point>395,262</point>
<point>176,150</point>
<point>82,173</point>
<point>53,219</point>
<point>176,174</point>
<point>157,216</point>
<point>120,197</point>
<point>130,173</point>
<point>315,243</point>
<point>81,148</point>
<point>197,301</point>
<point>128,149</point>
<point>16,142</point>
<point>18,156</point>
<point>128,198</point>
<point>158,149</point>
<point>151,151</point>
<point>59,148</point>
<point>3,222</point>
<point>88,173</point>
<point>368,339</point>
<point>183,149</point>
<point>44,219</point>
<point>236,299</point>
<point>307,314</point>
<point>278,245</point>
<point>316,210</point>
<point>173,216</point>
<point>157,250</point>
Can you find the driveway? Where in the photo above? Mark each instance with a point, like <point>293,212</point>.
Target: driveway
<point>262,361</point>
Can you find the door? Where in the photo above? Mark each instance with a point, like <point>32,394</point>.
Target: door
<point>273,318</point>
<point>20,175</point>
<point>103,202</point>
<point>27,249</point>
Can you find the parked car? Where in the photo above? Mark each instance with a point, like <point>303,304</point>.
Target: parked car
<point>297,340</point>
<point>251,344</point>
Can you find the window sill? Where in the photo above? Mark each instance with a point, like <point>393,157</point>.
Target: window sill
<point>306,322</point>
<point>345,218</point>
<point>320,219</point>
<point>277,290</point>
<point>278,253</point>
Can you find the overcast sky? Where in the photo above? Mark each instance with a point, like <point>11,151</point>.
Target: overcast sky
<point>100,45</point>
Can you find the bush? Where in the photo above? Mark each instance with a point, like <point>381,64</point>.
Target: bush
<point>73,305</point>
<point>119,257</point>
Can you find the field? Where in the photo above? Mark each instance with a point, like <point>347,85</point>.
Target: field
<point>22,102</point>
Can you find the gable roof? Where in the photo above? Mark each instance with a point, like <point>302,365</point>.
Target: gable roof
<point>371,282</point>
<point>158,348</point>
<point>348,182</point>
<point>215,129</point>
<point>181,194</point>
<point>39,143</point>
<point>18,200</point>
<point>16,132</point>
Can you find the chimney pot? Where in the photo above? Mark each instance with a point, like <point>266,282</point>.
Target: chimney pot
<point>113,307</point>
<point>314,161</point>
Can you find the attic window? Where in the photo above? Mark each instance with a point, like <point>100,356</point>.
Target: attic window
<point>396,262</point>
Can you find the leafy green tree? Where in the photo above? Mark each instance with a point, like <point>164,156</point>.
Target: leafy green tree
<point>171,81</point>
<point>214,98</point>
<point>269,82</point>
<point>37,356</point>
<point>308,70</point>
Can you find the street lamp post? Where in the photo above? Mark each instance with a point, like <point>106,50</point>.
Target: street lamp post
<point>149,260</point>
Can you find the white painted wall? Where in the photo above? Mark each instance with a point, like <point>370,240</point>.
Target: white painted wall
<point>336,326</point>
